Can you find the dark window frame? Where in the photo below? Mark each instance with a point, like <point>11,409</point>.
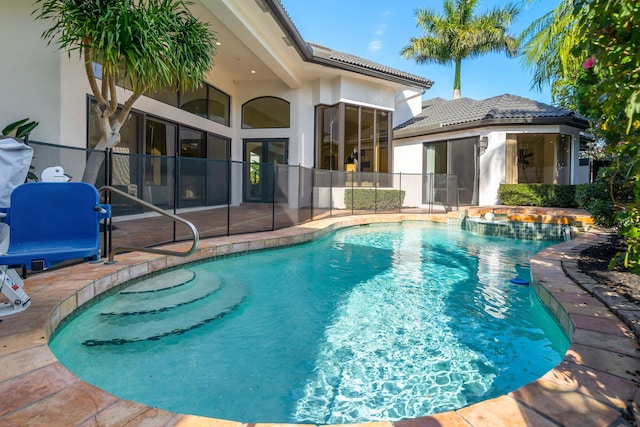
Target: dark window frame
<point>244,125</point>
<point>340,127</point>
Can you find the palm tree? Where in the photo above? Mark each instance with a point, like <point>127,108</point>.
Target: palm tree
<point>549,47</point>
<point>144,44</point>
<point>461,34</point>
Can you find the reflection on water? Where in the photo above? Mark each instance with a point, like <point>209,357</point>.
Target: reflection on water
<point>371,323</point>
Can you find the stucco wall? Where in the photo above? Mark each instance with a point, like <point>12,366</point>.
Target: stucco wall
<point>48,85</point>
<point>29,71</point>
<point>408,155</point>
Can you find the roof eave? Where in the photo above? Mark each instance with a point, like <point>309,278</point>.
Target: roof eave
<point>306,52</point>
<point>370,72</point>
<point>572,121</point>
<point>290,30</point>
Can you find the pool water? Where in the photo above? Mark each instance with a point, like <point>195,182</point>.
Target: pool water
<point>382,322</point>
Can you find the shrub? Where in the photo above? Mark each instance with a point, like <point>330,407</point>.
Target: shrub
<point>373,199</point>
<point>596,199</point>
<point>546,195</point>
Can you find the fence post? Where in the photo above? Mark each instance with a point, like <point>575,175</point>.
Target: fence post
<point>330,193</point>
<point>375,192</point>
<point>400,194</point>
<point>108,170</point>
<point>177,165</point>
<point>229,167</point>
<point>273,197</point>
<point>353,206</point>
<point>313,184</point>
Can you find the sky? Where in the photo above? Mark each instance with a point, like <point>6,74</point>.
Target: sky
<point>378,29</point>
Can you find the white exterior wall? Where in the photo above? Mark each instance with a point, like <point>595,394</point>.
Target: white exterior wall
<point>579,174</point>
<point>492,168</point>
<point>408,155</point>
<point>45,84</point>
<point>408,104</point>
<point>368,94</point>
<point>30,75</point>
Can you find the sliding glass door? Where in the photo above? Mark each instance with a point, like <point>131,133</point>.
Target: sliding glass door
<point>260,157</point>
<point>451,172</point>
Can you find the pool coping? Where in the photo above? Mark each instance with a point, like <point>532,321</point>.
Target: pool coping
<point>594,384</point>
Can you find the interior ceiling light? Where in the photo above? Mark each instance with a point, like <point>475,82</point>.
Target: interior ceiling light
<point>253,71</point>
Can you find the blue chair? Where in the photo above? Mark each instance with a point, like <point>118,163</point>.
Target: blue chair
<point>52,222</point>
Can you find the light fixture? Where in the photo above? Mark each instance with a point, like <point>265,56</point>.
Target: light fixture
<point>483,143</point>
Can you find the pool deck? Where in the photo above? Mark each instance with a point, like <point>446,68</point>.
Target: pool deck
<point>596,382</point>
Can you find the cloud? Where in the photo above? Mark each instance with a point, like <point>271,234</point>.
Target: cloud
<point>381,28</point>
<point>376,44</point>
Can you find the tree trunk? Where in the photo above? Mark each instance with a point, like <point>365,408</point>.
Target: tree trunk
<point>96,158</point>
<point>456,81</point>
<point>92,168</point>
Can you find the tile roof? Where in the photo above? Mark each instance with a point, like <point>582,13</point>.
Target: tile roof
<point>439,114</point>
<point>322,52</point>
<point>322,55</point>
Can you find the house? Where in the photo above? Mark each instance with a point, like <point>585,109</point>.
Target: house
<point>270,97</point>
<point>274,98</point>
<point>482,144</point>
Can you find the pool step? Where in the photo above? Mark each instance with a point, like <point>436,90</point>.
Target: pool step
<point>122,329</point>
<point>161,282</point>
<point>171,291</point>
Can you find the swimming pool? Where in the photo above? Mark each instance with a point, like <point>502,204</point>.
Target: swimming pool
<point>378,322</point>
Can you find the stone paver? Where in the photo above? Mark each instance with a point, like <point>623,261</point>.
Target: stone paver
<point>593,386</point>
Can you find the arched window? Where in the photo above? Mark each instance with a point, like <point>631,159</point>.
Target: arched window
<point>266,112</point>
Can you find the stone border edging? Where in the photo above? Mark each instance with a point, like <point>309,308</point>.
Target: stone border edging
<point>618,304</point>
<point>627,311</point>
<point>593,386</point>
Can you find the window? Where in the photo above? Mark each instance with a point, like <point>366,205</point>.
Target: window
<point>159,146</point>
<point>144,162</point>
<point>168,96</point>
<point>352,138</point>
<point>195,101</point>
<point>382,132</point>
<point>219,105</point>
<point>327,137</point>
<point>266,112</point>
<point>542,158</point>
<point>451,172</point>
<point>207,102</point>
<point>192,167</point>
<point>261,173</point>
<point>218,170</point>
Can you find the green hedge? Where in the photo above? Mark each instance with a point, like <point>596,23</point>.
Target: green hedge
<point>546,195</point>
<point>595,197</point>
<point>373,199</point>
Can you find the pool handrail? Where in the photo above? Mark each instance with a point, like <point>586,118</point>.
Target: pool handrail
<point>175,218</point>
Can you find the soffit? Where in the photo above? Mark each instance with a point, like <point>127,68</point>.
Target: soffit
<point>253,39</point>
<point>250,41</point>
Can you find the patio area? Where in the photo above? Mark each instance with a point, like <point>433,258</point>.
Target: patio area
<point>592,386</point>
